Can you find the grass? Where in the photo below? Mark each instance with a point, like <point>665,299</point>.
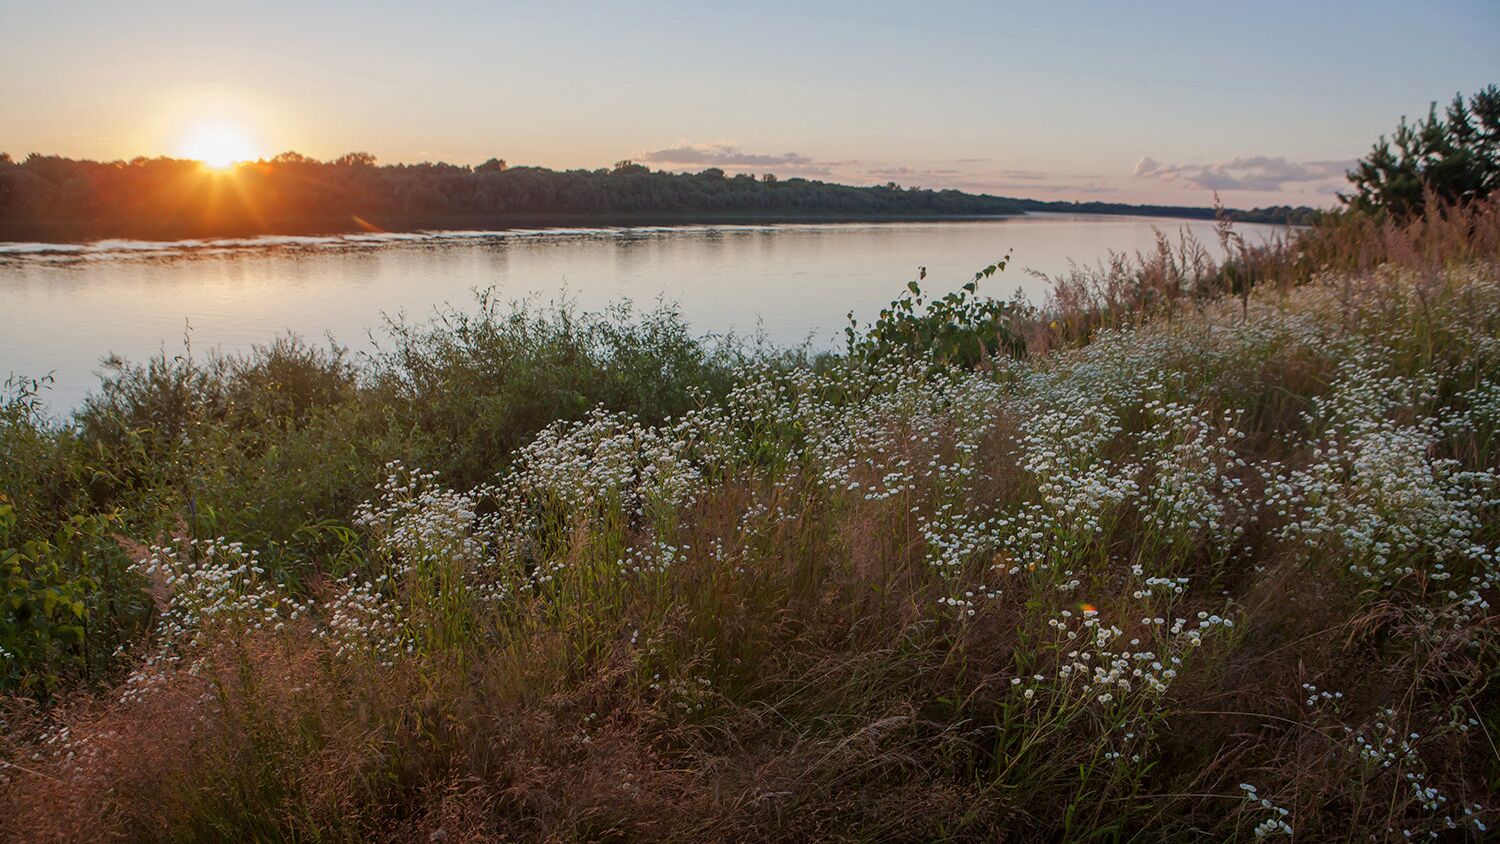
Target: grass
<point>1214,558</point>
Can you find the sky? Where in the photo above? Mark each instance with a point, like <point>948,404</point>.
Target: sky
<point>1162,102</point>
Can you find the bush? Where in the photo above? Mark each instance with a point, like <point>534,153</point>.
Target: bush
<point>479,385</point>
<point>69,603</point>
<point>961,329</point>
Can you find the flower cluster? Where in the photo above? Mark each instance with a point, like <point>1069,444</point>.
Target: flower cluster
<point>1275,821</point>
<point>1386,505</point>
<point>1386,749</point>
<point>215,588</point>
<point>1194,490</point>
<point>1098,662</point>
<point>362,619</point>
<point>418,524</point>
<point>1080,486</point>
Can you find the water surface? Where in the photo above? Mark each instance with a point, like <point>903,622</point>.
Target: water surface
<point>68,306</point>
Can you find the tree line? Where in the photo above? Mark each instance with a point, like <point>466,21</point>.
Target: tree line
<point>291,192</point>
<point>1452,157</point>
<point>51,197</point>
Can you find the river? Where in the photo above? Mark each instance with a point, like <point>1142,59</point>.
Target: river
<point>67,306</point>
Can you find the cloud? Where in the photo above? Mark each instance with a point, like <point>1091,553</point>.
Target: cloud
<point>1147,166</point>
<point>897,173</point>
<point>723,155</point>
<point>1254,173</point>
<point>982,180</point>
<point>967,174</point>
<point>1031,189</point>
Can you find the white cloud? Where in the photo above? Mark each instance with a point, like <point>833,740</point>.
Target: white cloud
<point>1254,173</point>
<point>722,155</point>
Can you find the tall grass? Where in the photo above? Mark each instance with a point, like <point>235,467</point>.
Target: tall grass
<point>1124,289</point>
<point>1215,560</point>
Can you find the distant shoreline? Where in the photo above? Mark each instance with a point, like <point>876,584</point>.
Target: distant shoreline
<point>54,199</point>
<point>73,231</point>
<point>68,231</point>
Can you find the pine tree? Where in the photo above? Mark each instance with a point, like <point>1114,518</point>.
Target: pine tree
<point>1455,156</point>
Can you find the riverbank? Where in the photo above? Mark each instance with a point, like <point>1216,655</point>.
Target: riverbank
<point>1181,564</point>
<point>72,231</point>
<point>79,231</point>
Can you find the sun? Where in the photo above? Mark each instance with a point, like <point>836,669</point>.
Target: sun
<point>218,145</point>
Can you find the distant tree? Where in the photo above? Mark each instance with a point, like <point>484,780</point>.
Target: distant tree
<point>494,165</point>
<point>162,197</point>
<point>1455,156</point>
<point>5,158</point>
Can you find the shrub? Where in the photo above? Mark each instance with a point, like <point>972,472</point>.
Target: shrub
<point>69,604</point>
<point>960,329</point>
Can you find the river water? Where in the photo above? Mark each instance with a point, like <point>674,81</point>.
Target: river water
<point>67,306</point>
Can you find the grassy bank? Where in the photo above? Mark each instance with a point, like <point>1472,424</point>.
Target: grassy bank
<point>1192,551</point>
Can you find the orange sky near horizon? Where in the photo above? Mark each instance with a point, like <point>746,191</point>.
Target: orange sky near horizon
<point>1164,104</point>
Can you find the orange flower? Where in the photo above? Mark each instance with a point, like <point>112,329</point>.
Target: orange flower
<point>1089,609</point>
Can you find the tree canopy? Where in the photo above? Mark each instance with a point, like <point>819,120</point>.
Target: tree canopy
<point>1453,155</point>
<point>50,197</point>
<point>175,198</point>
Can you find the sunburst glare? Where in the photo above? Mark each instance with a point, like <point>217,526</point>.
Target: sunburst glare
<point>218,145</point>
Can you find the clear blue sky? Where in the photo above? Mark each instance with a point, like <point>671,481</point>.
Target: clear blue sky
<point>1109,100</point>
